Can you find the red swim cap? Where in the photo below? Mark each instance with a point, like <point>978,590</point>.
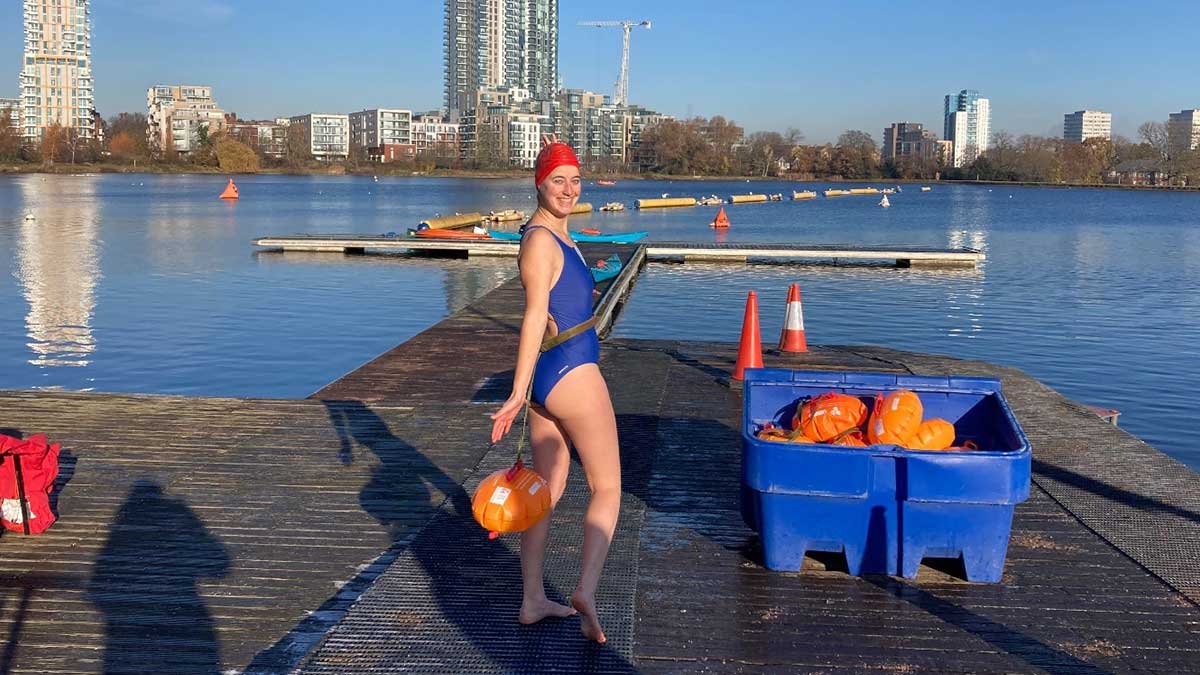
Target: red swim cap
<point>550,158</point>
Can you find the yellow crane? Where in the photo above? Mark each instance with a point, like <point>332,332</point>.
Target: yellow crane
<point>622,95</point>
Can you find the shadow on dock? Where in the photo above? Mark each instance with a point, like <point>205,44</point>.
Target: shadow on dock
<point>1111,492</point>
<point>145,584</point>
<point>449,572</point>
<point>1034,652</point>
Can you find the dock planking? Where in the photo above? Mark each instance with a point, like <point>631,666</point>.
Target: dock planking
<point>208,534</point>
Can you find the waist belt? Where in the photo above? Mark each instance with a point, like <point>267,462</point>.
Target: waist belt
<point>552,342</point>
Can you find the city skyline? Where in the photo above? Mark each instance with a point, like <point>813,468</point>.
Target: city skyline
<point>821,82</point>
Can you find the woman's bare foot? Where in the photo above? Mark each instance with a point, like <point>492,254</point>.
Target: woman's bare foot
<point>590,623</point>
<point>533,611</point>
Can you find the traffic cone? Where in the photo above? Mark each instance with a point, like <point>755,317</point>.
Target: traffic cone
<point>750,349</point>
<point>231,191</point>
<point>792,338</point>
<point>722,220</point>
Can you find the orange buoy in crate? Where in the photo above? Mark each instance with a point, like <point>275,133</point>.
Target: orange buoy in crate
<point>826,416</point>
<point>935,434</point>
<point>896,418</point>
<point>511,500</point>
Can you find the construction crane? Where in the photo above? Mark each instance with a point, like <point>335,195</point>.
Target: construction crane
<point>622,96</point>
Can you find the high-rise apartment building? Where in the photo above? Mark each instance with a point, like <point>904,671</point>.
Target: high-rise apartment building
<point>495,44</point>
<point>909,141</point>
<point>1084,124</point>
<point>968,121</point>
<point>1183,131</point>
<point>56,72</point>
<point>176,113</point>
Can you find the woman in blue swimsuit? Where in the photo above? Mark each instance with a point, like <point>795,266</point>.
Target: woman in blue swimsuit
<point>570,400</point>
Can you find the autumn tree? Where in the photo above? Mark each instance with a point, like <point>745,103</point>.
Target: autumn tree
<point>132,128</point>
<point>236,157</point>
<point>1155,135</point>
<point>10,138</point>
<point>299,148</point>
<point>51,145</point>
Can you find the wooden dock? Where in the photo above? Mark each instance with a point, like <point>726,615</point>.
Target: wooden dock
<point>903,256</point>
<point>331,535</point>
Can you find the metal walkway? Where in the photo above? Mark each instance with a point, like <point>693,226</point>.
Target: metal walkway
<point>904,256</point>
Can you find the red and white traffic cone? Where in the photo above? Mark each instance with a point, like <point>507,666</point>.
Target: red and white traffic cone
<point>792,338</point>
<point>750,348</point>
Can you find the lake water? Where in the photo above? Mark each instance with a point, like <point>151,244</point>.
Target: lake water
<point>150,283</point>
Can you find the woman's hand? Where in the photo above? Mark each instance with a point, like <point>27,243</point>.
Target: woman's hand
<point>549,139</point>
<point>502,419</point>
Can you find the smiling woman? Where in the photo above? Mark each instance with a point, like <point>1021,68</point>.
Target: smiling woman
<point>558,382</point>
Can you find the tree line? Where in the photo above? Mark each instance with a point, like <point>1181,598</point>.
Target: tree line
<point>690,147</point>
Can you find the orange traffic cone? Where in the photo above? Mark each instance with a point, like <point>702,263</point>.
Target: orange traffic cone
<point>231,191</point>
<point>792,338</point>
<point>722,220</point>
<point>750,349</point>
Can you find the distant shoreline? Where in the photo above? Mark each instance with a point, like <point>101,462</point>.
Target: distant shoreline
<point>171,169</point>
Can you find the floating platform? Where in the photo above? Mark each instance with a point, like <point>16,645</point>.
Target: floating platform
<point>581,208</point>
<point>666,202</point>
<point>333,534</point>
<point>903,256</point>
<point>747,199</point>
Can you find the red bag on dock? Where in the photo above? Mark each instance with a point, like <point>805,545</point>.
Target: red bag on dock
<point>27,472</point>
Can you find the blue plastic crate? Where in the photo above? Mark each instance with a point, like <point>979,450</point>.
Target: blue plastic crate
<point>884,507</point>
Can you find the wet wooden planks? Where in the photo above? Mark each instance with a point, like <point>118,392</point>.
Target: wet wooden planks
<point>199,533</point>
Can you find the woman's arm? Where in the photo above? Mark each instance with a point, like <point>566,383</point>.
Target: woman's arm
<point>538,264</point>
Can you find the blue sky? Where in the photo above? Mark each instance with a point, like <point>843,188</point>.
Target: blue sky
<point>767,64</point>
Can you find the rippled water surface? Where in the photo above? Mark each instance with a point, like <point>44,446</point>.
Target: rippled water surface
<point>150,284</point>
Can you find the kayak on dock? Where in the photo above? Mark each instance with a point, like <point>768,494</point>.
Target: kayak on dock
<point>606,269</point>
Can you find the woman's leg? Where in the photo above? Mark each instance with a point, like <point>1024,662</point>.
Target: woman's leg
<point>552,460</point>
<point>581,404</point>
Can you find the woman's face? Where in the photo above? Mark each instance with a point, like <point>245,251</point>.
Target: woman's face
<point>559,193</point>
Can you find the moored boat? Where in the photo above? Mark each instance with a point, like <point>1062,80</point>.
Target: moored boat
<point>613,206</point>
<point>504,216</point>
<point>606,182</point>
<point>711,200</point>
<point>925,188</point>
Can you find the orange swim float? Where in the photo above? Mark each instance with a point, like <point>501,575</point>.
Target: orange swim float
<point>826,416</point>
<point>511,500</point>
<point>896,418</point>
<point>935,434</point>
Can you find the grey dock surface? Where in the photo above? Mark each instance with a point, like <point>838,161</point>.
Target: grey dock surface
<point>333,534</point>
<point>904,256</point>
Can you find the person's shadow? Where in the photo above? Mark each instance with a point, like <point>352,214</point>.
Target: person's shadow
<point>145,580</point>
<point>475,582</point>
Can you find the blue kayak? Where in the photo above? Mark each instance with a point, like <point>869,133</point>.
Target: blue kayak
<point>620,238</point>
<point>606,269</point>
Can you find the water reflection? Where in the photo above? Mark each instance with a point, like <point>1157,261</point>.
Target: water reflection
<point>58,268</point>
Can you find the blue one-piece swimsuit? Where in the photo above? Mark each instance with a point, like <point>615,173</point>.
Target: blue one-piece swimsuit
<point>570,305</point>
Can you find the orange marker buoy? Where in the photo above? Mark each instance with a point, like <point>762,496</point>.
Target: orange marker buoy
<point>750,349</point>
<point>722,220</point>
<point>231,191</point>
